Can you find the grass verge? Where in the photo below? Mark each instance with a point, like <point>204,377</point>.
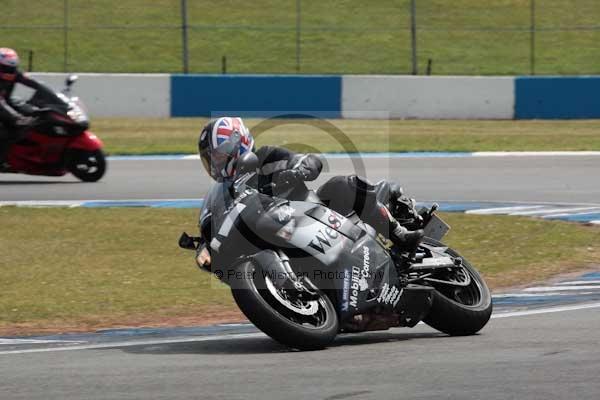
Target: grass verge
<point>83,269</point>
<point>465,37</point>
<point>180,135</point>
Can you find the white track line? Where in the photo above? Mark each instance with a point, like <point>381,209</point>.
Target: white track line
<point>8,342</point>
<point>502,210</point>
<point>546,310</point>
<point>77,203</point>
<point>369,155</point>
<point>553,211</point>
<point>543,294</point>
<point>568,214</point>
<point>591,282</point>
<point>42,203</point>
<point>560,288</point>
<point>260,334</point>
<point>533,153</point>
<point>137,343</point>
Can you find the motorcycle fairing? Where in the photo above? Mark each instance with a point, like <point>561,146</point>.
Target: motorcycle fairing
<point>361,268</point>
<point>38,154</point>
<point>337,255</point>
<point>86,141</point>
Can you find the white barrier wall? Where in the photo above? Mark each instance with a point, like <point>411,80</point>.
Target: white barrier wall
<point>347,96</point>
<point>427,97</point>
<point>116,95</point>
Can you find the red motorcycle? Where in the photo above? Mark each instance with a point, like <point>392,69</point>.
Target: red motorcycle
<point>59,140</point>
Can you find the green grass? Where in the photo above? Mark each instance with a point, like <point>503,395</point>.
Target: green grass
<point>180,135</point>
<point>89,268</point>
<point>339,36</point>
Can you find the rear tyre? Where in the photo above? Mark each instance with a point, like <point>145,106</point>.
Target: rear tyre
<point>303,325</point>
<point>460,311</point>
<point>88,166</point>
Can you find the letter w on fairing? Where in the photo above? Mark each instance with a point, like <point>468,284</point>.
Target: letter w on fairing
<point>320,243</point>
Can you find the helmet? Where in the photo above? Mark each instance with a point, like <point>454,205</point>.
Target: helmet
<point>222,141</point>
<point>9,62</point>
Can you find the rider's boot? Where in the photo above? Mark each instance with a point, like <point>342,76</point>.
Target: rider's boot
<point>406,240</point>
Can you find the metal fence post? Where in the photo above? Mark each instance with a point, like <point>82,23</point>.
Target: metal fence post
<point>298,26</point>
<point>184,37</point>
<point>413,35</point>
<point>532,38</point>
<point>65,35</point>
<point>30,61</point>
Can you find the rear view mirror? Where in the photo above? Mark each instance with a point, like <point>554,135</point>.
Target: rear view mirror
<point>247,163</point>
<point>187,242</point>
<point>71,79</point>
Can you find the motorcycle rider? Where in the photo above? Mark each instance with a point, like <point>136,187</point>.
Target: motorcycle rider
<point>223,140</point>
<point>15,117</point>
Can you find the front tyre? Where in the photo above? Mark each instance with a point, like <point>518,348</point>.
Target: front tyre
<point>460,311</point>
<point>88,166</point>
<point>296,323</point>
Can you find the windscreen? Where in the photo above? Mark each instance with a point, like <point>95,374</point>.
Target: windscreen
<point>45,96</point>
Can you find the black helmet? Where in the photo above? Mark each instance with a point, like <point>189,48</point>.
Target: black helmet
<point>9,63</point>
<point>222,141</point>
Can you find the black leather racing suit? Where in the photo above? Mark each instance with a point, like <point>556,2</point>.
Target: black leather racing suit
<point>344,194</point>
<point>278,165</point>
<point>372,203</point>
<point>12,112</point>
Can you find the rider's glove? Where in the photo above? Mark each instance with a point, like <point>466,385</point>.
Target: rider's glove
<point>290,178</point>
<point>203,259</point>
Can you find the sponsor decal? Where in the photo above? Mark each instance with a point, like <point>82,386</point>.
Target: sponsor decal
<point>366,270</point>
<point>356,281</point>
<point>334,220</point>
<point>320,241</point>
<point>355,287</point>
<point>346,291</point>
<point>363,284</point>
<point>389,295</point>
<point>359,284</point>
<point>332,233</point>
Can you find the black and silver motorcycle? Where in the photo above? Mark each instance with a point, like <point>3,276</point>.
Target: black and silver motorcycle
<point>302,273</point>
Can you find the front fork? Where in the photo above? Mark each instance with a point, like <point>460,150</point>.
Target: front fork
<point>276,265</point>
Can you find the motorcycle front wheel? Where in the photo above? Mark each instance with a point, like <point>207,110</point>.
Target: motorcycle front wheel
<point>88,166</point>
<point>460,310</point>
<point>296,323</point>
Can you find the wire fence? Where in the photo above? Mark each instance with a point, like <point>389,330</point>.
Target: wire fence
<point>465,37</point>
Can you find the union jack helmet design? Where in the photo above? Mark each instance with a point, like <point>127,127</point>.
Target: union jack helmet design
<point>222,141</point>
<point>9,62</point>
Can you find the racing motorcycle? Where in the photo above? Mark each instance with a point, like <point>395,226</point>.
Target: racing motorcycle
<point>59,140</point>
<point>302,273</point>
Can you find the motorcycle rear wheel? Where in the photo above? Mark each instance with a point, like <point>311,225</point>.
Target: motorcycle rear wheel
<point>460,312</point>
<point>296,325</point>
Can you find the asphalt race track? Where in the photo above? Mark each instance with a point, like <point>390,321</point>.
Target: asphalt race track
<point>553,179</point>
<point>540,356</point>
<point>527,351</point>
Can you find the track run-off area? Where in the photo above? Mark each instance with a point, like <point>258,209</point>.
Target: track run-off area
<point>542,341</point>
